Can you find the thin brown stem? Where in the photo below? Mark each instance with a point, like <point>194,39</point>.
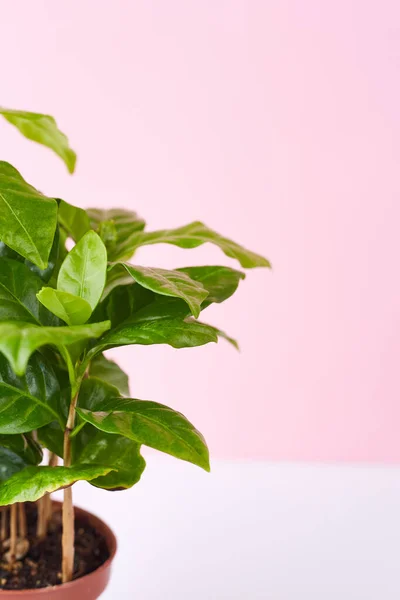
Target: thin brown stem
<point>68,517</point>
<point>23,528</point>
<point>41,527</point>
<point>3,526</point>
<point>13,534</point>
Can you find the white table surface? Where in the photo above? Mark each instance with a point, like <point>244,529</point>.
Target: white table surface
<point>252,531</point>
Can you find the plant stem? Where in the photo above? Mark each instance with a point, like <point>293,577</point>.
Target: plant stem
<point>3,533</point>
<point>23,529</point>
<point>13,534</point>
<point>68,536</point>
<point>41,528</point>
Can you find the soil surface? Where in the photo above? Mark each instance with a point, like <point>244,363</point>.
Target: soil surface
<point>41,567</point>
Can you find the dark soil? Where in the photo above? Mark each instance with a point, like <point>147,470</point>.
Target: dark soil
<point>41,567</point>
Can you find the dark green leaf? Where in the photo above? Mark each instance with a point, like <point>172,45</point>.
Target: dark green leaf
<point>107,370</point>
<point>170,283</point>
<point>83,272</point>
<point>220,282</point>
<point>73,219</point>
<point>152,424</point>
<point>191,236</point>
<point>118,452</point>
<point>71,309</point>
<point>28,219</point>
<point>47,273</point>
<point>43,130</point>
<point>16,453</point>
<point>18,289</point>
<point>32,483</point>
<point>19,340</point>
<point>174,332</point>
<point>29,401</point>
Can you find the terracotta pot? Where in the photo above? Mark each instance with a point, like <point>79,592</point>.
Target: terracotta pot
<point>89,587</point>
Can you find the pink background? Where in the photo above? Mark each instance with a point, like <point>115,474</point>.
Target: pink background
<point>278,124</point>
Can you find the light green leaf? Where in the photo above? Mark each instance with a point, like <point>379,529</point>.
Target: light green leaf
<point>83,272</point>
<point>29,401</point>
<point>107,370</point>
<point>152,424</point>
<point>114,226</point>
<point>43,130</point>
<point>191,236</point>
<point>19,340</point>
<point>71,309</point>
<point>170,283</point>
<point>28,219</point>
<point>16,453</point>
<point>73,219</point>
<point>32,483</point>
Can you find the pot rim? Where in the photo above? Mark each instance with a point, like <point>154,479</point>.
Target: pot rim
<point>98,524</point>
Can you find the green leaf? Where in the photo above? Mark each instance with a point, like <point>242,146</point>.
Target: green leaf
<point>191,236</point>
<point>29,401</point>
<point>220,283</point>
<point>43,130</point>
<point>115,451</point>
<point>47,273</point>
<point>73,219</point>
<point>32,483</point>
<point>152,424</point>
<point>16,453</point>
<point>170,283</point>
<point>19,340</point>
<point>83,272</point>
<point>114,226</point>
<point>174,332</point>
<point>107,370</point>
<point>28,219</point>
<point>18,289</point>
<point>71,309</point>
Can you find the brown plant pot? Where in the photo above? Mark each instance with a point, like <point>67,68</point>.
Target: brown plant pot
<point>88,587</point>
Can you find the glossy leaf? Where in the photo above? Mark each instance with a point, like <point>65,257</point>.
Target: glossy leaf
<point>74,220</point>
<point>19,340</point>
<point>220,283</point>
<point>174,332</point>
<point>191,236</point>
<point>71,309</point>
<point>43,130</point>
<point>152,424</point>
<point>32,483</point>
<point>170,283</point>
<point>30,401</point>
<point>16,453</point>
<point>47,273</point>
<point>28,219</point>
<point>107,370</point>
<point>18,289</point>
<point>83,272</point>
<point>114,226</point>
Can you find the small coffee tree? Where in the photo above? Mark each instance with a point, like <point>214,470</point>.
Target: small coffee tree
<point>59,312</point>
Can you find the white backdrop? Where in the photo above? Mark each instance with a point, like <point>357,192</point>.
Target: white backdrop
<point>254,531</point>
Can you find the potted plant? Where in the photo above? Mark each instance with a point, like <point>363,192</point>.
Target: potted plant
<point>59,312</point>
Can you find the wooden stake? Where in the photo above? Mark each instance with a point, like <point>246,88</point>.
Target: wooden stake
<point>68,516</point>
<point>13,534</point>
